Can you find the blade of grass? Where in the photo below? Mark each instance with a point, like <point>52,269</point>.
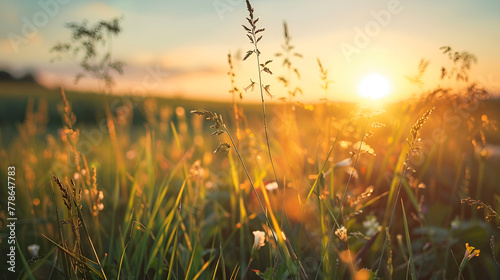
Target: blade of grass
<point>81,259</point>
<point>458,266</point>
<point>174,250</point>
<point>166,225</point>
<point>131,198</point>
<point>216,266</point>
<point>150,135</point>
<point>23,260</point>
<point>191,259</point>
<point>121,261</point>
<point>139,255</point>
<point>223,262</point>
<point>59,230</point>
<point>410,194</point>
<point>39,263</point>
<point>84,226</point>
<point>237,199</point>
<point>408,243</point>
<point>326,160</point>
<point>116,201</point>
<point>171,239</point>
<point>202,269</point>
<point>234,274</point>
<point>341,205</point>
<point>277,237</point>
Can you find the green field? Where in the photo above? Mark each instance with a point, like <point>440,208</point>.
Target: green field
<point>156,201</point>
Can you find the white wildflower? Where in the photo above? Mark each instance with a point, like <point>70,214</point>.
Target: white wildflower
<point>371,225</point>
<point>33,250</point>
<point>272,186</point>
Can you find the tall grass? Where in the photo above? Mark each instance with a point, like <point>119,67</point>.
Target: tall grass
<point>151,199</point>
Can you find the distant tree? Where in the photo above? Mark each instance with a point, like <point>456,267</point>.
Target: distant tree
<point>6,76</point>
<point>90,48</point>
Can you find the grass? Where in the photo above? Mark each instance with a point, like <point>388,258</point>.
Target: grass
<point>136,191</point>
<point>182,210</point>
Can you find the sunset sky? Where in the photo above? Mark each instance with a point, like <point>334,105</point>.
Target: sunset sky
<point>185,43</point>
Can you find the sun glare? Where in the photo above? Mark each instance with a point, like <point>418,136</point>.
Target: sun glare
<point>374,86</point>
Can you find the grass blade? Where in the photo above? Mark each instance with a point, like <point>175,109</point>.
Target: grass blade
<point>121,262</point>
<point>25,263</point>
<point>408,243</point>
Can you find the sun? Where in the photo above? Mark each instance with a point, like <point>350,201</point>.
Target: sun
<point>374,86</point>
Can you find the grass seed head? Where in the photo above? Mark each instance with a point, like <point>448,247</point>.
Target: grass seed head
<point>64,192</point>
<point>211,116</point>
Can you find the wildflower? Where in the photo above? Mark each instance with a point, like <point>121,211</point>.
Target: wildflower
<point>371,225</point>
<point>272,186</point>
<point>33,249</point>
<point>455,224</point>
<point>259,241</point>
<point>341,233</point>
<point>344,163</point>
<point>470,252</point>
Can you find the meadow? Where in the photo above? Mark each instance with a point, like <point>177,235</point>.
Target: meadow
<point>134,187</point>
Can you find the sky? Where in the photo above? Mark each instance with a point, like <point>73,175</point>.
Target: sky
<point>179,48</point>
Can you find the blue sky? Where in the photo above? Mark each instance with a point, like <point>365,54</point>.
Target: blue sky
<point>187,41</point>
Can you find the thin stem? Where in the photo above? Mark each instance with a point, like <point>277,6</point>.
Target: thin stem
<point>257,53</point>
<point>348,182</point>
<point>246,171</point>
<point>264,107</point>
<point>353,165</point>
<point>393,212</point>
<point>246,270</point>
<point>311,189</point>
<point>413,145</point>
<point>275,236</point>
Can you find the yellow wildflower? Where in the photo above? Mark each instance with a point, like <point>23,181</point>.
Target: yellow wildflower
<point>470,252</point>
